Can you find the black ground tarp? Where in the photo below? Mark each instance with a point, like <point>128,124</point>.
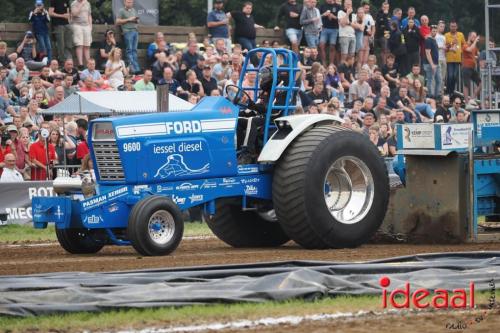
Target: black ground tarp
<point>75,291</point>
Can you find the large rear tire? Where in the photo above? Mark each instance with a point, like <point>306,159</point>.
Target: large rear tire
<point>244,228</point>
<point>78,241</point>
<point>155,226</point>
<point>330,188</point>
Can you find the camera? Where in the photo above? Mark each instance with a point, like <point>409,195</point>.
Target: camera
<point>4,138</point>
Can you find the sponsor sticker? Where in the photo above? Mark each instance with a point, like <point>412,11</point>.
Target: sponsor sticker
<point>250,180</point>
<point>177,167</point>
<point>187,187</point>
<point>251,190</point>
<point>229,182</point>
<point>93,219</point>
<point>196,198</point>
<point>178,200</point>
<point>208,184</point>
<point>247,169</point>
<point>101,199</point>
<point>163,188</point>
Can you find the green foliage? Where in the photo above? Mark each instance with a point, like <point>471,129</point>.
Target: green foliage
<point>16,11</point>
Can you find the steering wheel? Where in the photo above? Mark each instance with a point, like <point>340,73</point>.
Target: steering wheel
<point>239,96</point>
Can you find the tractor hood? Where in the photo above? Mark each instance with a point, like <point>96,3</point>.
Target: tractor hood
<point>169,146</point>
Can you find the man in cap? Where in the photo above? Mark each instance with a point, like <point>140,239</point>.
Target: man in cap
<point>15,141</point>
<point>198,68</point>
<point>39,19</point>
<point>218,24</point>
<point>207,81</point>
<point>28,51</point>
<point>57,82</point>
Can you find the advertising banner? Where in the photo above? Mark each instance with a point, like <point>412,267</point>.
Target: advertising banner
<point>15,201</point>
<point>418,136</point>
<point>455,136</point>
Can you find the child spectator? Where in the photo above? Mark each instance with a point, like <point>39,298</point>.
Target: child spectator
<point>5,59</point>
<point>39,18</point>
<point>108,44</point>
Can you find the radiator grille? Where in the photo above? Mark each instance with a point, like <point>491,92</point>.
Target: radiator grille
<point>108,161</point>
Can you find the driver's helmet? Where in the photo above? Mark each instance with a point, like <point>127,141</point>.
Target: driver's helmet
<point>283,77</point>
<point>266,78</point>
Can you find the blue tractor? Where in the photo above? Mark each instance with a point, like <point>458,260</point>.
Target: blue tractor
<point>261,174</point>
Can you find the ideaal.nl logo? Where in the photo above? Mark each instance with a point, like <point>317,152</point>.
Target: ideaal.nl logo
<point>421,298</point>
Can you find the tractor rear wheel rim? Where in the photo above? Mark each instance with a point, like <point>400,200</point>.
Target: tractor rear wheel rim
<point>349,190</point>
<point>161,227</point>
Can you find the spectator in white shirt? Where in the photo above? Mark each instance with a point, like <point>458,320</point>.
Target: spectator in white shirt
<point>10,174</point>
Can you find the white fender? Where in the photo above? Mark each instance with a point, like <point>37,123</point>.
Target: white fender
<point>277,144</point>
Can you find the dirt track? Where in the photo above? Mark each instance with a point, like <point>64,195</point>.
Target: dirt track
<point>425,322</point>
<point>30,259</point>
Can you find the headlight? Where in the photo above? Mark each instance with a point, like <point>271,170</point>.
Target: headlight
<point>282,124</point>
<point>103,131</point>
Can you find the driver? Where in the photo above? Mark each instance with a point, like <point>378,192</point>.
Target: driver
<point>252,118</point>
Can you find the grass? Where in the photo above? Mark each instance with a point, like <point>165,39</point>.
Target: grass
<point>192,315</point>
<point>197,229</point>
<point>12,233</point>
<point>189,315</point>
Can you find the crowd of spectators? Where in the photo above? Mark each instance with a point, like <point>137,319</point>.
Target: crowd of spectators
<point>373,67</point>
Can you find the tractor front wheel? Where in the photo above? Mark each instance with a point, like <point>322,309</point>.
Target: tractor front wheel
<point>155,226</point>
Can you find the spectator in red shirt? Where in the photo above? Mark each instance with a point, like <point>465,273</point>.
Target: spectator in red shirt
<point>425,31</point>
<point>4,150</point>
<point>89,84</point>
<point>38,156</point>
<point>82,147</point>
<point>469,72</point>
<point>58,96</point>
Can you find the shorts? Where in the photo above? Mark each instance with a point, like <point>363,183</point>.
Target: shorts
<point>359,40</point>
<point>312,40</point>
<point>329,36</point>
<point>82,35</point>
<point>294,35</point>
<point>347,45</point>
<point>382,43</point>
<point>470,74</point>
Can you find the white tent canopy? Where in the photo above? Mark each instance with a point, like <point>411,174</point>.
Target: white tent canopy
<point>115,102</point>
